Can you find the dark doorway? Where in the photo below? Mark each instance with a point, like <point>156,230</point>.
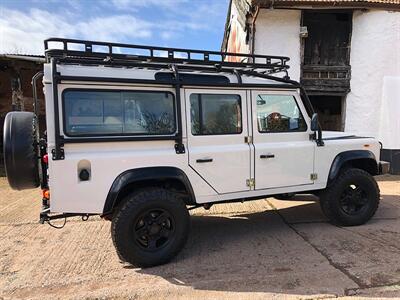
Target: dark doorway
<point>328,40</point>
<point>326,63</point>
<point>329,109</point>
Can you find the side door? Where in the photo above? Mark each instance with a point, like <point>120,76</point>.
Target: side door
<point>284,153</point>
<point>216,130</point>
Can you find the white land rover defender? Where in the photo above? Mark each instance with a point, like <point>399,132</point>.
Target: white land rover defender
<point>140,135</point>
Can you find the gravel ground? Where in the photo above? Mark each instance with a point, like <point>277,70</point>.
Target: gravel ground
<point>259,249</point>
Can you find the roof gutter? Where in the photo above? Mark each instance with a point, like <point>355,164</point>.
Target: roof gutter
<point>333,4</point>
<point>253,29</point>
<point>37,59</point>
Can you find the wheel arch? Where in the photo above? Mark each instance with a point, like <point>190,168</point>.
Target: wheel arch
<point>142,177</point>
<point>361,159</point>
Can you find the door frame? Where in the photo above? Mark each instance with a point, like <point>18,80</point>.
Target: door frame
<point>276,137</point>
<point>246,126</point>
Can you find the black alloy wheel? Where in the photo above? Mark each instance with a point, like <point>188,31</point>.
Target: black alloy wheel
<point>154,229</point>
<point>353,200</point>
<point>150,226</point>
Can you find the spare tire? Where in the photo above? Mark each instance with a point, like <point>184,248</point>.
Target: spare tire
<point>21,150</point>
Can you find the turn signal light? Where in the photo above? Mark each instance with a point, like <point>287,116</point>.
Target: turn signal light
<point>46,194</point>
<point>45,158</point>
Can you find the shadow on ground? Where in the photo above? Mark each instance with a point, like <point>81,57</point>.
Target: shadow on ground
<point>261,252</point>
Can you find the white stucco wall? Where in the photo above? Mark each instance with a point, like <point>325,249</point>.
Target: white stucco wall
<point>277,33</point>
<point>373,105</point>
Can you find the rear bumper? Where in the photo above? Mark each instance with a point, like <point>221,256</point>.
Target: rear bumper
<point>384,167</point>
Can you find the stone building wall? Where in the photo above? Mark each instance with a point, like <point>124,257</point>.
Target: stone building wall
<point>16,74</point>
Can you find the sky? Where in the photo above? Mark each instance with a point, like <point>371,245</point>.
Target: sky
<point>195,24</point>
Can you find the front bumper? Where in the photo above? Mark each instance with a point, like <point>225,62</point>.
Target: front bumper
<point>384,167</point>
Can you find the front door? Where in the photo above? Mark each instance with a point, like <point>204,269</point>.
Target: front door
<point>216,131</point>
<point>284,153</point>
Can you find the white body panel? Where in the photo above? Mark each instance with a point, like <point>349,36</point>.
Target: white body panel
<point>234,161</point>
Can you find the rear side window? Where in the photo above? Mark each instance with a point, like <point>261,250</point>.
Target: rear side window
<point>214,114</point>
<point>93,113</point>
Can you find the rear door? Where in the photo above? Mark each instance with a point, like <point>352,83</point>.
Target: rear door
<point>284,153</point>
<point>217,127</point>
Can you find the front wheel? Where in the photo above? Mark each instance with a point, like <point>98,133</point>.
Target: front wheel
<point>352,199</point>
<point>150,227</point>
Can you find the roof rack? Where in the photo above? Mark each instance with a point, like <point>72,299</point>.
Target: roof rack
<point>174,59</point>
<point>125,54</point>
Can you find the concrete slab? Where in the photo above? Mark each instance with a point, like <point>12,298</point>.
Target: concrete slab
<point>369,254</point>
<point>392,291</point>
<point>237,250</point>
<point>18,206</point>
<point>303,209</point>
<point>255,246</point>
<point>237,254</point>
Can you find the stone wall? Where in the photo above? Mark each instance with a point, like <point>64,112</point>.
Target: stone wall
<point>15,73</point>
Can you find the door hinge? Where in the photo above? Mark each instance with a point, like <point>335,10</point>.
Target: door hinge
<point>313,176</point>
<point>251,182</point>
<point>248,139</point>
<point>58,155</point>
<point>179,148</point>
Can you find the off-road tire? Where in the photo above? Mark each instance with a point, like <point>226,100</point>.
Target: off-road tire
<point>331,198</point>
<point>130,213</point>
<point>21,150</point>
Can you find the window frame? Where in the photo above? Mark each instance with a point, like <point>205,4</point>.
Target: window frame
<point>216,94</point>
<point>116,135</point>
<point>275,131</point>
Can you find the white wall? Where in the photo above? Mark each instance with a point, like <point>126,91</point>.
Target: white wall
<point>372,106</point>
<point>277,33</point>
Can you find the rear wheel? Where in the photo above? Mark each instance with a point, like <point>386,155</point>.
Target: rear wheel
<point>352,199</point>
<point>150,227</point>
<point>21,150</point>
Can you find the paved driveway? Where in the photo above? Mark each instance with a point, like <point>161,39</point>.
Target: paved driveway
<point>259,249</point>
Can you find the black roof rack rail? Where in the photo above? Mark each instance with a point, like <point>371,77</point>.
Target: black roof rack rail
<point>174,59</point>
<point>105,52</point>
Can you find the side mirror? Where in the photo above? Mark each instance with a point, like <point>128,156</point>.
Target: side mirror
<point>317,129</point>
<point>314,122</point>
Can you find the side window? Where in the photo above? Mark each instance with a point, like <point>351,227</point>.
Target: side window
<point>213,114</point>
<point>93,113</point>
<point>279,113</point>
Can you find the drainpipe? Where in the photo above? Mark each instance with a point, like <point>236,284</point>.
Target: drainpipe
<point>253,29</point>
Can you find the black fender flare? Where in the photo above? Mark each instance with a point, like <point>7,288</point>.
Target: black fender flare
<point>145,174</point>
<point>351,155</point>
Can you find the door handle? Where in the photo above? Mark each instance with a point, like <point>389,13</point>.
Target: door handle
<point>269,155</point>
<point>204,160</point>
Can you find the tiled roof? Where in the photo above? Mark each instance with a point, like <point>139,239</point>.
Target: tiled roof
<point>357,3</point>
<point>332,1</point>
